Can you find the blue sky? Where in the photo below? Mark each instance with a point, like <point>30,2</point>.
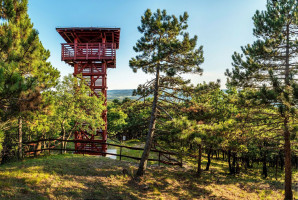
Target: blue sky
<point>222,27</point>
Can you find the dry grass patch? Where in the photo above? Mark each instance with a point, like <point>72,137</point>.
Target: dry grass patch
<point>92,177</point>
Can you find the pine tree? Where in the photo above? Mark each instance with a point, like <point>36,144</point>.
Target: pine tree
<point>23,57</point>
<point>270,65</point>
<point>167,51</point>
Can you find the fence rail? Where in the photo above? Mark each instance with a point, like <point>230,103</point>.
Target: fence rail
<point>161,154</point>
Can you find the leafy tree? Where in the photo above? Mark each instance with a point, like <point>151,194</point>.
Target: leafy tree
<point>167,51</point>
<point>69,108</point>
<point>270,65</point>
<point>116,118</point>
<point>74,108</point>
<point>138,114</point>
<point>129,118</point>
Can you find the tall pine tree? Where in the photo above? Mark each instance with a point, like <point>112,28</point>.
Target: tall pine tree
<point>167,51</point>
<point>270,65</point>
<point>23,62</point>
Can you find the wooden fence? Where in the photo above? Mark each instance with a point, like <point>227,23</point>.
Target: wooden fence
<point>163,156</point>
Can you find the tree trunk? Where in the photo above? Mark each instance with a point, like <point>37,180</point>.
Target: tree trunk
<point>229,161</point>
<point>281,158</point>
<point>145,155</point>
<point>209,159</point>
<point>63,138</point>
<point>276,166</point>
<point>288,169</point>
<point>20,146</point>
<point>49,147</point>
<point>237,166</point>
<point>65,144</point>
<point>247,162</point>
<point>265,164</point>
<point>287,145</point>
<point>233,166</point>
<point>38,149</point>
<point>200,160</point>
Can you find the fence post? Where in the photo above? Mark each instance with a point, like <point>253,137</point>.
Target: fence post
<point>120,153</point>
<point>159,158</point>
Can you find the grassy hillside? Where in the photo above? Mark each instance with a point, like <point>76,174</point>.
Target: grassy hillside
<point>91,177</point>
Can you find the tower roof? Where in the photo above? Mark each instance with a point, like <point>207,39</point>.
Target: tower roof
<point>90,34</point>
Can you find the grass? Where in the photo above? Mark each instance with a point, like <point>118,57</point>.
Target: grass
<point>71,176</point>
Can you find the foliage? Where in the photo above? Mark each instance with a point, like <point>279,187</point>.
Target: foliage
<point>24,69</point>
<point>70,108</point>
<point>166,50</point>
<point>270,66</point>
<point>116,118</point>
<point>137,120</point>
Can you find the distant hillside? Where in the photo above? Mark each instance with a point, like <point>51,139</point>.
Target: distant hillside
<point>120,94</point>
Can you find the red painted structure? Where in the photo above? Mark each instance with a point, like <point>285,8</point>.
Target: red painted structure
<point>91,51</point>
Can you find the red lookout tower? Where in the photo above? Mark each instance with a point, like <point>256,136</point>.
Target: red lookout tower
<point>91,51</point>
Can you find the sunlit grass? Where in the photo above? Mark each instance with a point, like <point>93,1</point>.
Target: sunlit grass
<point>73,176</point>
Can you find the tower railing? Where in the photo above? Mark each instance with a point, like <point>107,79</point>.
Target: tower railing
<point>88,51</point>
